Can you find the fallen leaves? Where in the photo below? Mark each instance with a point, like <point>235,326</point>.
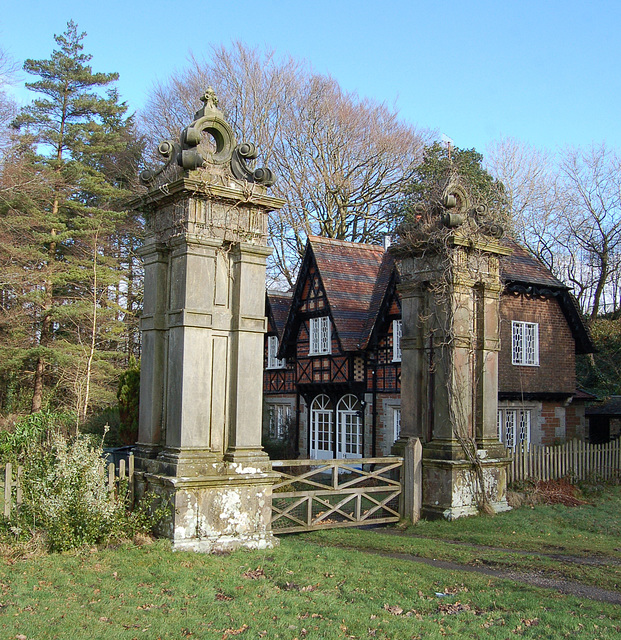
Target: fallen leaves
<point>234,632</point>
<point>451,608</point>
<point>394,609</point>
<point>254,574</point>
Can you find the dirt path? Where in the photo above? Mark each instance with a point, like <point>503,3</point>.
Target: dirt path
<point>583,560</point>
<point>534,579</point>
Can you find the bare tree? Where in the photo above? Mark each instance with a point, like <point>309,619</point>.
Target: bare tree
<point>567,211</point>
<point>342,160</point>
<point>532,191</point>
<point>8,107</point>
<point>592,178</point>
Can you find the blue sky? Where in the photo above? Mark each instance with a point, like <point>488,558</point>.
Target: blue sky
<point>546,72</point>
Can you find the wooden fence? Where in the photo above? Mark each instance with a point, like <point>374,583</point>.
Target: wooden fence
<point>576,460</point>
<point>324,494</point>
<point>11,488</point>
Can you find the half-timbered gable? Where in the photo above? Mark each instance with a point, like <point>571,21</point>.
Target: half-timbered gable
<point>383,343</point>
<point>278,375</point>
<point>326,333</point>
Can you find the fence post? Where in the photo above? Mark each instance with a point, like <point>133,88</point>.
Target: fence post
<point>8,480</point>
<point>412,480</point>
<point>131,480</point>
<point>18,488</point>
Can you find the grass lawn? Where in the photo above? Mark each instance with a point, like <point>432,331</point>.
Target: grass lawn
<point>309,588</point>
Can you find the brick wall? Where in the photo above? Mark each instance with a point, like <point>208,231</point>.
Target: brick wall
<point>556,372</point>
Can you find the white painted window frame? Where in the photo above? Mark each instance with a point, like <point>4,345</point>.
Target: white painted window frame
<point>514,426</point>
<point>397,334</point>
<point>320,336</point>
<point>279,414</point>
<point>525,343</point>
<point>396,422</point>
<point>322,422</point>
<point>272,349</point>
<point>349,427</point>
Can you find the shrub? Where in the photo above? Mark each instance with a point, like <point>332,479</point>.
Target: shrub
<point>30,432</point>
<point>128,396</point>
<point>66,497</point>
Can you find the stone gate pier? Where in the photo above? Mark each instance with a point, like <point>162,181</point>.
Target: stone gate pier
<point>199,443</point>
<point>450,294</point>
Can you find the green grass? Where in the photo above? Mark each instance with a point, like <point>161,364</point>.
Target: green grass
<point>309,588</point>
<point>307,591</point>
<point>588,530</point>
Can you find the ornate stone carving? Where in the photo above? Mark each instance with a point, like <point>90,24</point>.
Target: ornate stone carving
<point>187,155</point>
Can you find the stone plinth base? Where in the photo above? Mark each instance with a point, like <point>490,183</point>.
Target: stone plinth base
<point>451,489</point>
<point>223,511</point>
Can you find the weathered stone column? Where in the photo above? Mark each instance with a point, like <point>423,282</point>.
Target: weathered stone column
<point>450,293</point>
<point>202,361</point>
<point>154,345</point>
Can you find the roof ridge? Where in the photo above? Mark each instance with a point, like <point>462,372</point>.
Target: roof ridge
<point>347,243</point>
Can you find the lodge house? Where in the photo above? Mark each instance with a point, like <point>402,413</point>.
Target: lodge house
<point>333,354</point>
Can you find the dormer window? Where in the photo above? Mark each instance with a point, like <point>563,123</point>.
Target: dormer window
<point>320,336</point>
<point>397,332</point>
<point>272,350</point>
<point>525,343</point>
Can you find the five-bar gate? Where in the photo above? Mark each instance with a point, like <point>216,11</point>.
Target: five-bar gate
<point>321,494</point>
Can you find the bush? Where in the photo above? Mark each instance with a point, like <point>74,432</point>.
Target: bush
<point>29,433</point>
<point>128,396</point>
<point>66,497</point>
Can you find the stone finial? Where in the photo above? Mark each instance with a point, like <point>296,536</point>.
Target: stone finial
<point>228,154</point>
<point>209,98</point>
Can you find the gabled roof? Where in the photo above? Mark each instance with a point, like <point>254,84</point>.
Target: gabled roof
<point>350,277</point>
<point>277,308</point>
<point>522,266</point>
<point>382,295</point>
<point>349,272</point>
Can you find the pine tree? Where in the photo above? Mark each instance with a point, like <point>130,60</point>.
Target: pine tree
<point>441,164</point>
<point>81,150</point>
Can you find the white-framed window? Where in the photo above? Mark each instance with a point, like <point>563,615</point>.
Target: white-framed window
<point>525,343</point>
<point>279,415</point>
<point>514,426</point>
<point>397,333</point>
<point>272,350</point>
<point>396,422</point>
<point>320,336</point>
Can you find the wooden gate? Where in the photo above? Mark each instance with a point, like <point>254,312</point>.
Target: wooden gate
<point>322,494</point>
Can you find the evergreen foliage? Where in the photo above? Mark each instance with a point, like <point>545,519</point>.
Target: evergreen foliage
<point>441,164</point>
<point>65,238</point>
<point>128,396</point>
<point>600,372</point>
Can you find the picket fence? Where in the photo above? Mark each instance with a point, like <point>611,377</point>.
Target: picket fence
<point>11,488</point>
<point>575,459</point>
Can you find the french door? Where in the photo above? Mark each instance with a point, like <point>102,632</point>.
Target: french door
<point>349,428</point>
<point>322,428</point>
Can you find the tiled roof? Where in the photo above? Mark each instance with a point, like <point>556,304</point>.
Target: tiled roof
<point>610,408</point>
<point>279,302</point>
<point>521,271</point>
<point>386,272</point>
<point>522,266</point>
<point>349,272</point>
